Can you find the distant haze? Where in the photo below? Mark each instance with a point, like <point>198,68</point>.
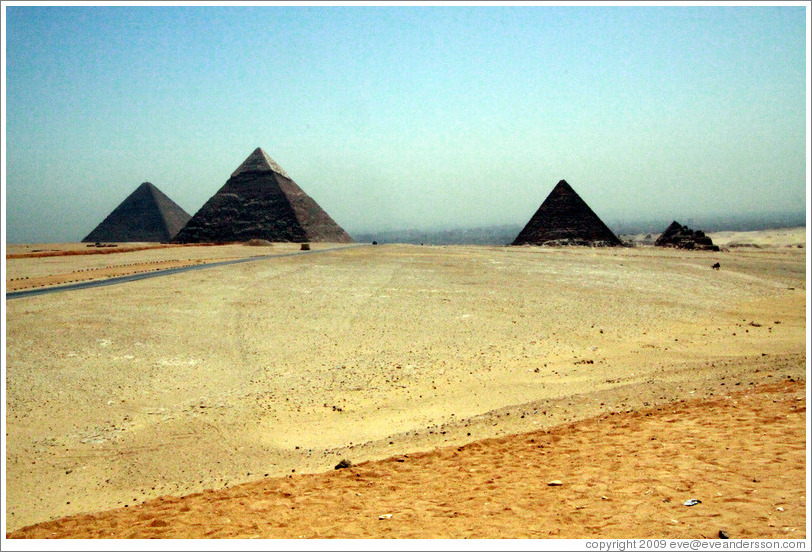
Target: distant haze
<point>409,117</point>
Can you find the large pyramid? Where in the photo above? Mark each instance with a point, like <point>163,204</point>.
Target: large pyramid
<point>565,219</point>
<point>147,215</point>
<point>260,201</point>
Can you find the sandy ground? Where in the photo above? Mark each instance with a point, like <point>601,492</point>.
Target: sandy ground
<point>776,237</point>
<point>779,237</point>
<point>209,379</point>
<point>742,455</point>
<point>48,265</point>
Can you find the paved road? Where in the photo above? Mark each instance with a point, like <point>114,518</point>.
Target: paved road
<point>167,272</point>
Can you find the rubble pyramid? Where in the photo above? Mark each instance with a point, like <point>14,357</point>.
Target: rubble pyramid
<point>565,219</point>
<point>260,201</point>
<point>147,215</point>
<point>682,237</point>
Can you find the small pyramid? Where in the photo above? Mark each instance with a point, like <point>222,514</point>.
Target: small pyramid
<point>565,219</point>
<point>682,237</point>
<point>147,215</point>
<point>260,201</point>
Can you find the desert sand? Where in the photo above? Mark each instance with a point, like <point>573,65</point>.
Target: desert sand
<point>778,237</point>
<point>770,239</point>
<point>741,455</point>
<point>258,373</point>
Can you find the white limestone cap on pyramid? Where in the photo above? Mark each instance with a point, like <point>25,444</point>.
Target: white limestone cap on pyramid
<point>260,161</point>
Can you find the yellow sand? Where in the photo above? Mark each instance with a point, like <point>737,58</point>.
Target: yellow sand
<point>211,378</point>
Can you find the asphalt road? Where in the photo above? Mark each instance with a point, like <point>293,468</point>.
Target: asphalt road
<point>134,277</point>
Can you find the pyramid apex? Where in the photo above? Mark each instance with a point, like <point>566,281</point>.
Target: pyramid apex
<point>259,161</point>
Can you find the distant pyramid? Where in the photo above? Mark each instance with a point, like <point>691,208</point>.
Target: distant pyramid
<point>682,237</point>
<point>565,219</point>
<point>260,201</point>
<point>147,215</point>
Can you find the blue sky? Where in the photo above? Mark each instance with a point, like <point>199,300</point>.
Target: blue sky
<point>409,116</point>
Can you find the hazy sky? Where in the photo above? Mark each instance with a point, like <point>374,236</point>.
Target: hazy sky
<point>404,117</point>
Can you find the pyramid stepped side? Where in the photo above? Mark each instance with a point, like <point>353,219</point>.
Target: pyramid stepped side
<point>564,218</point>
<point>260,201</point>
<point>250,206</point>
<point>146,215</point>
<point>316,223</point>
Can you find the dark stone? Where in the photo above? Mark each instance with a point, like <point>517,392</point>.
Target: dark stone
<point>565,219</point>
<point>683,237</point>
<point>146,215</point>
<point>260,201</point>
<point>723,535</point>
<point>343,464</point>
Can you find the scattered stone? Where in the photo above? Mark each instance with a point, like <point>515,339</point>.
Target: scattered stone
<point>385,516</point>
<point>259,242</point>
<point>692,502</point>
<point>343,464</point>
<point>554,483</point>
<point>723,534</point>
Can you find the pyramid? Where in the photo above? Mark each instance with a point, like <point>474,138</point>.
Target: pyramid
<point>565,219</point>
<point>260,201</point>
<point>147,215</point>
<point>682,237</point>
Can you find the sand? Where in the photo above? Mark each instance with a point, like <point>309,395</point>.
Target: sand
<point>741,455</point>
<point>778,237</point>
<point>757,239</point>
<point>210,379</point>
